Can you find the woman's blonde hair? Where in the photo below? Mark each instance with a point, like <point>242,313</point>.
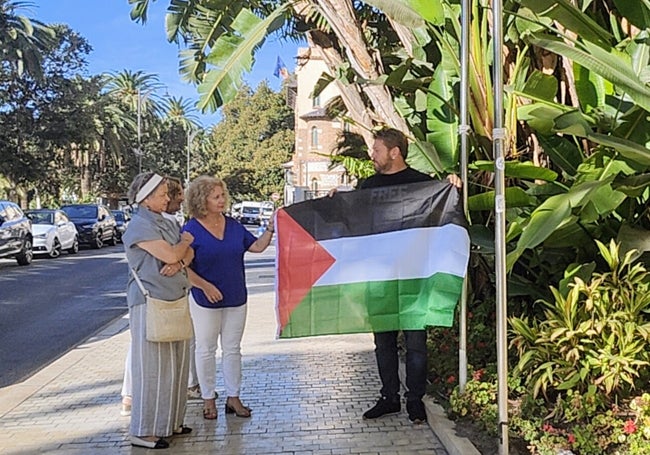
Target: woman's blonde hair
<point>197,194</point>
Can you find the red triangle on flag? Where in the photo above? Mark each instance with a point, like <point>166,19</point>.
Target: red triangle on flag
<point>301,262</point>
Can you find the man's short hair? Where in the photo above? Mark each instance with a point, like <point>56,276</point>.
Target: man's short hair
<point>174,187</point>
<point>393,138</point>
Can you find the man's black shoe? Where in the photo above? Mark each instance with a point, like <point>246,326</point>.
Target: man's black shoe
<point>383,407</point>
<point>416,410</point>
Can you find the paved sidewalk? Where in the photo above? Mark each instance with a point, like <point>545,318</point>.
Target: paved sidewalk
<point>307,397</point>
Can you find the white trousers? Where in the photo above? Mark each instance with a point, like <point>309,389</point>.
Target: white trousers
<point>210,325</point>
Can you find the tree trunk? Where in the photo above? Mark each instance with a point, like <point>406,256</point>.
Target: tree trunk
<point>350,94</point>
<point>342,19</point>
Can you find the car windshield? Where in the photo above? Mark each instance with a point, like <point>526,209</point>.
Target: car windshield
<point>251,210</point>
<point>80,211</point>
<point>119,216</point>
<point>41,217</point>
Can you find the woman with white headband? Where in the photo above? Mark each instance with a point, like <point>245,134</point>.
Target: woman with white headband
<point>158,254</point>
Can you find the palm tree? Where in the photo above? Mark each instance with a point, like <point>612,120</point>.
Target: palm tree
<point>136,91</point>
<point>22,40</point>
<point>180,111</point>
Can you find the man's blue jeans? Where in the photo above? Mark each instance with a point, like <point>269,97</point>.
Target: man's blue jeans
<point>416,363</point>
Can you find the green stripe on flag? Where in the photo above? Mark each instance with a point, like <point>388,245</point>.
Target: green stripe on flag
<point>376,306</point>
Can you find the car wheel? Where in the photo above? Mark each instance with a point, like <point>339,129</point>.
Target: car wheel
<point>113,239</point>
<point>98,241</point>
<point>56,249</point>
<point>26,254</point>
<point>74,249</point>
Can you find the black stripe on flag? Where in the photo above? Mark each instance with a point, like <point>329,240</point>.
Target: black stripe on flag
<point>379,210</point>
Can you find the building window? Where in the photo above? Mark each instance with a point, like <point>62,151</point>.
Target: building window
<point>315,101</point>
<point>314,184</point>
<point>315,137</point>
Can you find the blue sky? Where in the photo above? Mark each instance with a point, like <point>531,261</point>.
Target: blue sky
<point>119,43</point>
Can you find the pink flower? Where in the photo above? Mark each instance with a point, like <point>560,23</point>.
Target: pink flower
<point>548,428</point>
<point>629,427</point>
<point>478,374</point>
<point>571,438</point>
<point>451,379</point>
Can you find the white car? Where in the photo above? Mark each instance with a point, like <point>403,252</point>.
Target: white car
<point>53,232</point>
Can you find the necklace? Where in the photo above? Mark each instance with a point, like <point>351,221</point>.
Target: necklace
<point>212,223</point>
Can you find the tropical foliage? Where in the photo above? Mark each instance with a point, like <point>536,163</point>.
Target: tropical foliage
<point>587,355</point>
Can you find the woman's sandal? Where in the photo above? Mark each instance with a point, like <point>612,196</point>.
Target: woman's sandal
<point>210,413</point>
<point>243,411</point>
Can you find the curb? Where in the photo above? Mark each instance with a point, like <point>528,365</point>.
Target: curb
<point>445,429</point>
<point>440,424</point>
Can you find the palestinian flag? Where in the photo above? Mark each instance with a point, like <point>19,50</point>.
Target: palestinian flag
<point>371,260</point>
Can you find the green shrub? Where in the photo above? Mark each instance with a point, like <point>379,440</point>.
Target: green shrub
<point>598,334</point>
<point>581,383</point>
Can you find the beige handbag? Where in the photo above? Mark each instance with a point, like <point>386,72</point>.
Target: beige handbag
<point>166,320</point>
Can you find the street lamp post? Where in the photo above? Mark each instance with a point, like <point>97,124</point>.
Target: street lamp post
<point>191,134</point>
<point>139,152</point>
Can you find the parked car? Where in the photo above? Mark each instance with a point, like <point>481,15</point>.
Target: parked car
<point>15,233</point>
<point>53,232</point>
<point>252,212</point>
<point>121,222</point>
<point>95,224</point>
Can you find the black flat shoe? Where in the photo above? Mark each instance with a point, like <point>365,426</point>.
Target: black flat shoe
<point>160,443</point>
<point>182,430</point>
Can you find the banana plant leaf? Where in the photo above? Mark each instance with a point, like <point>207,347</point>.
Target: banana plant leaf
<point>540,86</point>
<point>564,154</point>
<point>518,169</point>
<point>515,197</point>
<point>424,157</point>
<point>571,18</point>
<point>552,214</point>
<point>591,88</point>
<point>574,123</point>
<point>637,12</point>
<point>633,238</point>
<point>633,186</point>
<point>609,63</point>
<point>232,54</point>
<point>442,122</point>
<point>411,13</point>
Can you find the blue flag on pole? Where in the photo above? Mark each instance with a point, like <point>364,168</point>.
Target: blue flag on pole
<point>280,69</point>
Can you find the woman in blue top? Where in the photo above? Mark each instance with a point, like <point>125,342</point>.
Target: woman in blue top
<point>218,296</point>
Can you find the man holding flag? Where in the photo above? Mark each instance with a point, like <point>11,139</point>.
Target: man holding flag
<point>388,258</point>
<point>388,154</point>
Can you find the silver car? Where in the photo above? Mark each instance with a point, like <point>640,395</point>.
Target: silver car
<point>53,232</point>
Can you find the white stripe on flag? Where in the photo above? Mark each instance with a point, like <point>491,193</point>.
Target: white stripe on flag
<point>410,253</point>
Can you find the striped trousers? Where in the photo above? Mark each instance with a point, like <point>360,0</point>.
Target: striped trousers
<point>159,376</point>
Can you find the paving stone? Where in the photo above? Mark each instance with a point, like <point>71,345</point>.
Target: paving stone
<point>307,396</point>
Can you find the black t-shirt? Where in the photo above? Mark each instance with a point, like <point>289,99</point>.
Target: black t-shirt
<point>408,175</point>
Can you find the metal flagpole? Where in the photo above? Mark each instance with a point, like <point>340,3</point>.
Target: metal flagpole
<point>499,136</point>
<point>463,130</point>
